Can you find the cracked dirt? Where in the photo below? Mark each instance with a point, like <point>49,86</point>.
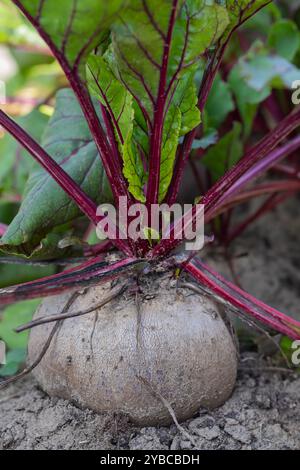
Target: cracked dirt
<point>263,413</point>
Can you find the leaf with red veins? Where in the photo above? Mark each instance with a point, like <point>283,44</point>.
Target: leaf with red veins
<point>156,46</point>
<point>238,12</point>
<point>140,38</point>
<point>111,93</point>
<point>241,10</point>
<point>73,29</point>
<point>86,275</point>
<point>46,206</point>
<point>244,305</point>
<point>119,104</point>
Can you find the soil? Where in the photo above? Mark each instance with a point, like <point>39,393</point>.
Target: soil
<point>263,412</point>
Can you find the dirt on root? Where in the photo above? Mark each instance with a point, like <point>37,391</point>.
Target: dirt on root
<point>263,412</point>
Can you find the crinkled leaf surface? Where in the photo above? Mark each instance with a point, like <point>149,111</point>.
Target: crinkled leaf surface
<point>46,206</point>
<point>133,168</point>
<point>73,27</point>
<point>141,33</point>
<point>139,38</point>
<point>183,116</point>
<point>169,145</point>
<point>111,93</point>
<point>120,107</point>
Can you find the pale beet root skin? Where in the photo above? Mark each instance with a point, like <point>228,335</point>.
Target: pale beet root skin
<point>115,360</point>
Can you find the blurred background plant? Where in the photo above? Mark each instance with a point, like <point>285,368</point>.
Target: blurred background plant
<point>251,94</point>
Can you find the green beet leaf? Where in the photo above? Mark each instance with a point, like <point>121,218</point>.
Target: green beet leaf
<point>73,27</point>
<point>46,206</point>
<point>120,106</point>
<point>137,63</point>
